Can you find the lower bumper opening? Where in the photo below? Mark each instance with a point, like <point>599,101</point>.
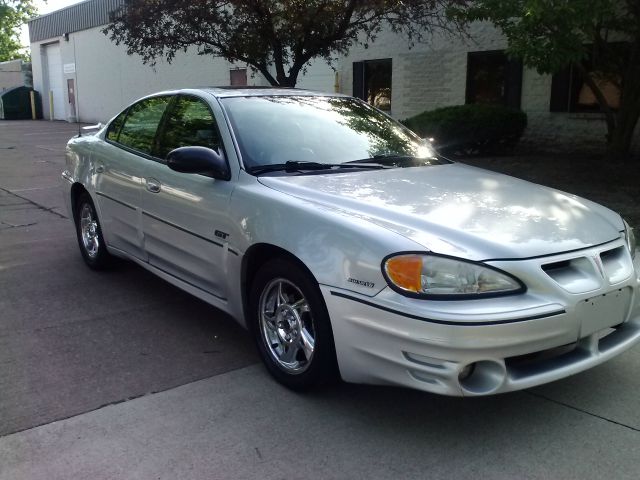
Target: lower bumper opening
<point>544,361</point>
<point>537,363</point>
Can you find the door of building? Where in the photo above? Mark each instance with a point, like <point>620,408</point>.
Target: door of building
<point>55,83</point>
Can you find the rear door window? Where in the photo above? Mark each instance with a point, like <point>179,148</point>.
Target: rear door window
<point>140,126</point>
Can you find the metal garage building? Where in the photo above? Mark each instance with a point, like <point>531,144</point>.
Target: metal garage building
<point>83,76</point>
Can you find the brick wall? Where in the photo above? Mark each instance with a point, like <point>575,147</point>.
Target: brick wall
<point>433,75</point>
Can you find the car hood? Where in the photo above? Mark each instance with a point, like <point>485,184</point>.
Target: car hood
<point>459,210</point>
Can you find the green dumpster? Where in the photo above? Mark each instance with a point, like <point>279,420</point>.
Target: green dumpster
<point>15,104</point>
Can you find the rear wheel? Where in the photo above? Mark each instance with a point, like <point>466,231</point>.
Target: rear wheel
<point>90,239</point>
<point>291,326</point>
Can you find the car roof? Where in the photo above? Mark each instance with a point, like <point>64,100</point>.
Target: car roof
<point>227,91</point>
<point>222,92</point>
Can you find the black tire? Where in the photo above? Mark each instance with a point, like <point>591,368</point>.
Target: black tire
<point>93,248</point>
<point>313,370</point>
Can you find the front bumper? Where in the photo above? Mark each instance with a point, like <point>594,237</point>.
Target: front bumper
<point>488,346</point>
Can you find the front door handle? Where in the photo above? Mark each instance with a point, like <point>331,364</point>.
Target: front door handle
<point>153,185</point>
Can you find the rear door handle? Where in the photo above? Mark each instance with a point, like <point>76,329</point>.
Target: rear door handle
<point>153,185</point>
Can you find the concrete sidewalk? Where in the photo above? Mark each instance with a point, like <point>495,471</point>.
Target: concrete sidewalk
<point>122,376</point>
<point>241,425</point>
<point>71,339</point>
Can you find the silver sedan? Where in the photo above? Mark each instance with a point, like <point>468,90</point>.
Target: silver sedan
<point>349,248</point>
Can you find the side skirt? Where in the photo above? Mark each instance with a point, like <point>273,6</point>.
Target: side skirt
<point>217,302</point>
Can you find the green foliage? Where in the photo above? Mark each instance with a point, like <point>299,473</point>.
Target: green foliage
<point>470,129</point>
<point>550,35</point>
<point>13,14</point>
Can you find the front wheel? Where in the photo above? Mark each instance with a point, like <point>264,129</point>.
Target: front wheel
<point>291,326</point>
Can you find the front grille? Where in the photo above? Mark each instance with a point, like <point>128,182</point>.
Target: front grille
<point>616,264</point>
<point>588,273</point>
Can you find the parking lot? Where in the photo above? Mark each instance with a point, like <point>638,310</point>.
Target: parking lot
<point>120,375</point>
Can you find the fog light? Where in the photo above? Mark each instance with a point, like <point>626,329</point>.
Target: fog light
<point>466,371</point>
<point>485,377</point>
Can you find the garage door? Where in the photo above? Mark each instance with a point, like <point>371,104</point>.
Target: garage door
<point>54,75</point>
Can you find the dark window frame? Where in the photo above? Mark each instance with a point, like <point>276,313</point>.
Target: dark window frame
<point>360,84</point>
<point>565,90</point>
<point>246,77</point>
<point>513,76</point>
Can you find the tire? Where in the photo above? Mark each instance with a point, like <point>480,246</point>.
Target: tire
<point>90,240</point>
<point>291,326</point>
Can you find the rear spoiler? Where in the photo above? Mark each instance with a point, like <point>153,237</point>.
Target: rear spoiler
<point>97,126</point>
<point>90,129</point>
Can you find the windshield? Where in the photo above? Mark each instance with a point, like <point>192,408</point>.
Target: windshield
<point>273,130</point>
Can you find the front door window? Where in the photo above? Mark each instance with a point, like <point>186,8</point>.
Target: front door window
<point>189,123</point>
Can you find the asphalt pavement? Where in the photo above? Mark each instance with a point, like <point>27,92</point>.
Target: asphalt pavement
<point>119,375</point>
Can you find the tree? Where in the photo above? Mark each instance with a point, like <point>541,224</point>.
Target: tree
<point>600,39</point>
<point>280,36</point>
<point>13,14</point>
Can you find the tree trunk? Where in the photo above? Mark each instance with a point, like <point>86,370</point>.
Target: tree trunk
<point>285,81</point>
<point>621,123</point>
<point>620,138</point>
<point>280,80</point>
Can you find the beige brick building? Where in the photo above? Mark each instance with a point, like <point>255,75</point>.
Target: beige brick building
<point>85,76</point>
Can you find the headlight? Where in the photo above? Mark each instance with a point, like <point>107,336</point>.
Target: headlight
<point>439,277</point>
<point>630,238</point>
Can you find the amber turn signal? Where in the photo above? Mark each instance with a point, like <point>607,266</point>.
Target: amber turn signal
<point>405,271</point>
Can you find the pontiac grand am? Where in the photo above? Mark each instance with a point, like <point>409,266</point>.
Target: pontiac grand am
<point>349,248</point>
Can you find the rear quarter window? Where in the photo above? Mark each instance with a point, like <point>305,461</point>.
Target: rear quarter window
<point>114,127</point>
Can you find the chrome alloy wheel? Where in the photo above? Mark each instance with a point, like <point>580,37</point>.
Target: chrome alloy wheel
<point>89,230</point>
<point>286,326</point>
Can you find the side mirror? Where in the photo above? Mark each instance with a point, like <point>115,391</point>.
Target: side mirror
<point>199,160</point>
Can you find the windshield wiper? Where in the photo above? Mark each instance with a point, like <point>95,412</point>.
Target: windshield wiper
<point>393,160</point>
<point>383,159</point>
<point>296,166</point>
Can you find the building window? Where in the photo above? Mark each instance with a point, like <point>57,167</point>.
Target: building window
<point>493,78</point>
<point>372,82</point>
<point>607,85</point>
<point>238,77</point>
<point>571,93</point>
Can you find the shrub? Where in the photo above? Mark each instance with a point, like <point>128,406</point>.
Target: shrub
<point>470,129</point>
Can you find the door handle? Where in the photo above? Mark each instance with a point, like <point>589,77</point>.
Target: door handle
<point>99,168</point>
<point>153,185</point>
